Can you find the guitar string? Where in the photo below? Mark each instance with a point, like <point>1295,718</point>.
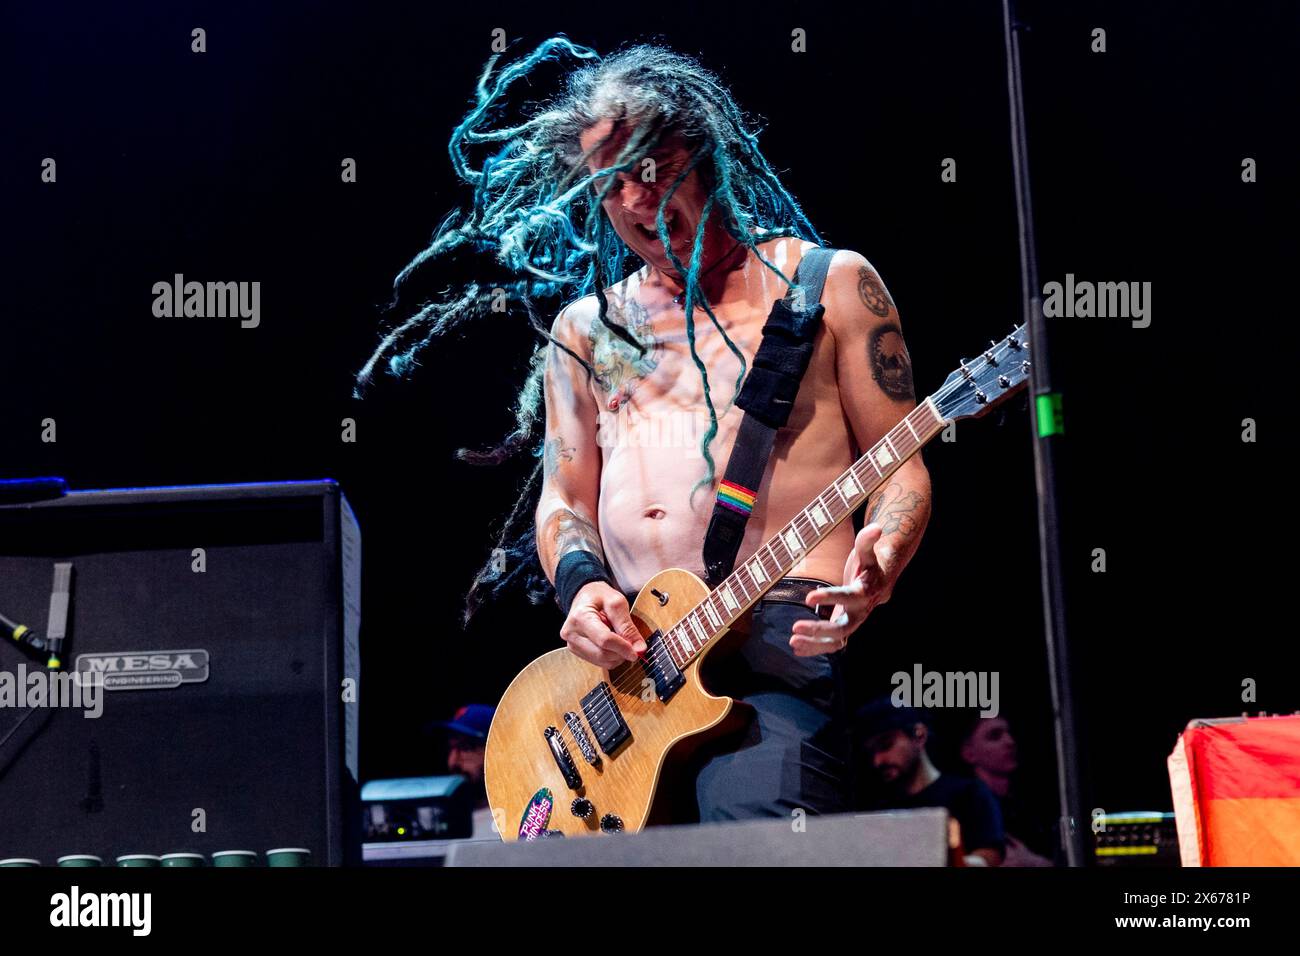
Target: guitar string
<point>631,680</point>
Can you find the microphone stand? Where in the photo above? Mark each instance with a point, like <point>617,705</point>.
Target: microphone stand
<point>1045,420</point>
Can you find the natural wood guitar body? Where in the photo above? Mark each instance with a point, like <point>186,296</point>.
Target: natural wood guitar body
<point>518,761</point>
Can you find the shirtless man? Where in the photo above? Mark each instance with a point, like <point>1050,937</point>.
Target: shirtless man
<point>614,488</point>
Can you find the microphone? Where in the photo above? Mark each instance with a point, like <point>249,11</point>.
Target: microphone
<point>31,642</point>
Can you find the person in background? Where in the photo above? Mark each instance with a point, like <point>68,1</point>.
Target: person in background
<point>892,750</point>
<point>990,752</point>
<point>466,737</point>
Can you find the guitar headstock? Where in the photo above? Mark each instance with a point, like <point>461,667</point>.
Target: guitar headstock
<point>983,382</point>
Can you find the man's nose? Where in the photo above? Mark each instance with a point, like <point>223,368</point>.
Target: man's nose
<point>639,198</point>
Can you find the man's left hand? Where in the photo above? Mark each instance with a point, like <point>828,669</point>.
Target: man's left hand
<point>868,581</point>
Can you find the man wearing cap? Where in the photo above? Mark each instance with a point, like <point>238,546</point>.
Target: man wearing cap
<point>893,741</point>
<point>466,736</point>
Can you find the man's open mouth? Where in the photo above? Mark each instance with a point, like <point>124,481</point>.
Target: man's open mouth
<point>651,233</point>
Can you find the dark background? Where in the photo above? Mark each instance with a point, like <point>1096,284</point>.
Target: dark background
<point>225,166</point>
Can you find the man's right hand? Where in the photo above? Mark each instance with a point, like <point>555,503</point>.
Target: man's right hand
<point>599,628</point>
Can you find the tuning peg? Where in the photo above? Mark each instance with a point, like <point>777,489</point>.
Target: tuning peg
<point>1004,381</point>
<point>990,357</point>
<point>1014,342</point>
<point>980,397</point>
<point>965,372</point>
<point>1024,365</point>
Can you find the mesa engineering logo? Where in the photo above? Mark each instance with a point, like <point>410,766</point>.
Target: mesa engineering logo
<point>143,670</point>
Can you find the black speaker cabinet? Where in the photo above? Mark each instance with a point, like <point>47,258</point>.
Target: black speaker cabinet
<point>223,621</point>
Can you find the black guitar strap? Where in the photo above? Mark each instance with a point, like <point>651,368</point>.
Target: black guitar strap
<point>767,397</point>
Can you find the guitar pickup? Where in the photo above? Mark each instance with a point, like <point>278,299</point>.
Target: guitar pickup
<point>562,759</point>
<point>602,713</point>
<point>660,667</point>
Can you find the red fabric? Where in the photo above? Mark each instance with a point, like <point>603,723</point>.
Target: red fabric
<point>1245,781</point>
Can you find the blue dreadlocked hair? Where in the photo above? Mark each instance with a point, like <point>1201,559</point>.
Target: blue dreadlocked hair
<point>536,210</point>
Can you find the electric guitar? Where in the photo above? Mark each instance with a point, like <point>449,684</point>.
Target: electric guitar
<point>575,749</point>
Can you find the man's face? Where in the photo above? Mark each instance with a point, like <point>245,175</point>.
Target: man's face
<point>632,203</point>
<point>894,754</point>
<point>991,747</point>
<point>465,755</point>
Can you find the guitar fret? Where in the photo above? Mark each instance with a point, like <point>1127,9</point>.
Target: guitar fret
<point>818,514</point>
<point>675,643</point>
<point>907,420</point>
<point>757,573</point>
<point>849,487</point>
<point>695,626</point>
<point>711,614</point>
<point>797,547</point>
<point>776,560</point>
<point>729,599</point>
<point>687,644</point>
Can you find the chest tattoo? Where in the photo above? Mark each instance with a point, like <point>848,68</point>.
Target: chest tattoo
<point>619,368</point>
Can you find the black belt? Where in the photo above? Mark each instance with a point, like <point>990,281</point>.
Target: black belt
<point>794,590</point>
<point>785,591</point>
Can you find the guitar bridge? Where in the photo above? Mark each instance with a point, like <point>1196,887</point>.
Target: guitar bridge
<point>562,759</point>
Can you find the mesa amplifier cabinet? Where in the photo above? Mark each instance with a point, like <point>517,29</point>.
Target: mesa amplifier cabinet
<point>221,623</point>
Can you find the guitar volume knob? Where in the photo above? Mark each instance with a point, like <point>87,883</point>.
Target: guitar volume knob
<point>611,823</point>
<point>581,807</point>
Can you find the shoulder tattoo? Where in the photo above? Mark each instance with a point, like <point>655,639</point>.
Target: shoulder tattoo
<point>891,365</point>
<point>872,293</point>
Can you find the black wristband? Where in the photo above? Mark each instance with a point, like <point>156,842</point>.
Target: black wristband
<point>576,570</point>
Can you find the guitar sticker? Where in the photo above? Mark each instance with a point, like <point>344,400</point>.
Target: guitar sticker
<point>536,815</point>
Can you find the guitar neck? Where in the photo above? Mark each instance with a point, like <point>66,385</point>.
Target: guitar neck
<point>775,559</point>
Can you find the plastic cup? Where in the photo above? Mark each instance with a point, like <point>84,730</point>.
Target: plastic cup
<point>171,860</point>
<point>139,859</point>
<point>80,859</point>
<point>288,856</point>
<point>234,858</point>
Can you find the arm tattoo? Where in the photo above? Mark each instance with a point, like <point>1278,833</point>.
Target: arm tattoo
<point>891,366</point>
<point>893,510</point>
<point>572,532</point>
<point>872,293</point>
<point>554,453</point>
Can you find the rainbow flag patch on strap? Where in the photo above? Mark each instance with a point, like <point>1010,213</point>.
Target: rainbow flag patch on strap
<point>736,497</point>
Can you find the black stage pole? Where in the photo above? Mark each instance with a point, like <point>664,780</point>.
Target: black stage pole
<point>1045,420</point>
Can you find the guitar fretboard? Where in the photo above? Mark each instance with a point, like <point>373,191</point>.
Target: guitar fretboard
<point>785,549</point>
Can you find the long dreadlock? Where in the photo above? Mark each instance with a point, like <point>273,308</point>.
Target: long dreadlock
<point>535,208</point>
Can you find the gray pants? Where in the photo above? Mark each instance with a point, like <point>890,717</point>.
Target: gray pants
<point>793,752</point>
